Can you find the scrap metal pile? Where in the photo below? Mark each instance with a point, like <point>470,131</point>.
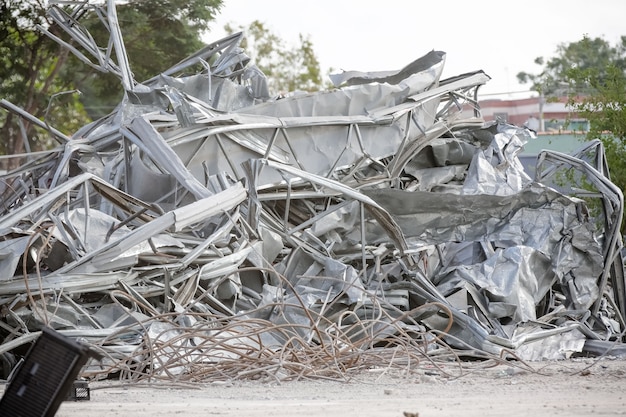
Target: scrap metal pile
<point>205,230</point>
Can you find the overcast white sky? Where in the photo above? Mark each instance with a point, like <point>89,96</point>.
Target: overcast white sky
<point>499,37</point>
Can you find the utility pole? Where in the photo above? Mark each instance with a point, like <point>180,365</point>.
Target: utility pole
<point>542,125</point>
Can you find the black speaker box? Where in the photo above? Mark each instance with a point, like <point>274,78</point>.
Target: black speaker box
<point>46,376</point>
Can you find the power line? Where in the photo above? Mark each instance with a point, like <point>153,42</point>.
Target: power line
<point>507,93</point>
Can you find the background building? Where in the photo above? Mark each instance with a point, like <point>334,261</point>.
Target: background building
<point>537,113</point>
<point>557,127</point>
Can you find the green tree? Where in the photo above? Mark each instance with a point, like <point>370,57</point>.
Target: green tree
<point>36,72</point>
<point>603,104</point>
<point>157,34</point>
<point>584,55</point>
<point>592,73</point>
<point>30,64</point>
<point>288,68</point>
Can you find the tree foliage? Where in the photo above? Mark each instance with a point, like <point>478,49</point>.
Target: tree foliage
<point>288,68</point>
<point>586,54</point>
<point>36,73</point>
<point>30,64</point>
<point>592,73</point>
<point>604,106</point>
<point>157,34</point>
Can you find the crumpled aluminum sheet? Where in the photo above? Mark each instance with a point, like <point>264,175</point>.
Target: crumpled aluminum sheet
<point>203,220</point>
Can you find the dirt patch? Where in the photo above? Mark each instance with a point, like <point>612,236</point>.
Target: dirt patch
<point>576,387</point>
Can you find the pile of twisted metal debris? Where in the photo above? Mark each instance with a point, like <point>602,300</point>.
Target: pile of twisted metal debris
<point>205,230</point>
